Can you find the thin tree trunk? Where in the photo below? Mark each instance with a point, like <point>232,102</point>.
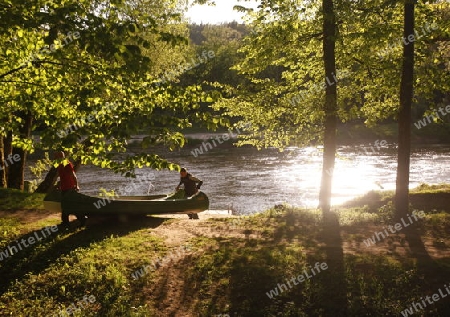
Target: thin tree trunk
<point>404,115</point>
<point>3,183</point>
<point>7,150</point>
<point>16,171</point>
<point>330,106</point>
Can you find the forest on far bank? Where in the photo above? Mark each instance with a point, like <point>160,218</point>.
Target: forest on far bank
<point>226,39</point>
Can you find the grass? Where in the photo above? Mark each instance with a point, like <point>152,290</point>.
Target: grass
<point>11,199</point>
<point>232,264</point>
<point>431,189</point>
<point>419,198</point>
<point>96,261</point>
<point>236,280</point>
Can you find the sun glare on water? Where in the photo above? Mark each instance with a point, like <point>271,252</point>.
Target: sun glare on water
<point>353,175</point>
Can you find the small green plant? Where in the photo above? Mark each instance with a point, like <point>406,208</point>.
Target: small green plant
<point>104,193</point>
<point>386,212</point>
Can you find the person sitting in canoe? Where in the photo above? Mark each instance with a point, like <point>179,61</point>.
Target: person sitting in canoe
<point>190,186</point>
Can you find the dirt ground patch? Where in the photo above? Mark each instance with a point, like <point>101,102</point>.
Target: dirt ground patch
<point>29,216</point>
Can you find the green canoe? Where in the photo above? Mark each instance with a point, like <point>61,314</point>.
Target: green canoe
<point>76,203</point>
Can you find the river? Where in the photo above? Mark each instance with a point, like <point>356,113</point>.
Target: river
<point>248,180</point>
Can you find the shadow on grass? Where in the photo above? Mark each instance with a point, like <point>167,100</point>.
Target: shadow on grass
<point>237,275</point>
<point>421,201</point>
<point>35,258</point>
<point>434,276</point>
<point>255,272</point>
<point>334,285</point>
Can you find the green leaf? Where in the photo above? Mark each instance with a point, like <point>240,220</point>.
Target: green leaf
<point>146,44</point>
<point>122,48</point>
<point>132,28</point>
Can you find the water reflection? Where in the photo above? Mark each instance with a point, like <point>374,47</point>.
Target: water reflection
<point>249,180</point>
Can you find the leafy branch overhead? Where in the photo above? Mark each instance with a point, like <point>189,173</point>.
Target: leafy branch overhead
<point>285,83</point>
<point>63,63</point>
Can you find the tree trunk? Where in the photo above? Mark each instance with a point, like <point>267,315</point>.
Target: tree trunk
<point>404,115</point>
<point>16,170</point>
<point>7,150</point>
<point>330,106</point>
<point>3,183</point>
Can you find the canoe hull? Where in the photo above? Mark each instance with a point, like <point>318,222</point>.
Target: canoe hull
<point>76,203</point>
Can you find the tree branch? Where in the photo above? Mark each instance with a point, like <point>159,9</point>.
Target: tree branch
<point>12,71</point>
<point>21,82</point>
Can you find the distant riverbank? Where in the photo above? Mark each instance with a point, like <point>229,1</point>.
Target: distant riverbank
<point>348,134</point>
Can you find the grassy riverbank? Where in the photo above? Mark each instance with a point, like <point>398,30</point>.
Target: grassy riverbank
<point>229,265</point>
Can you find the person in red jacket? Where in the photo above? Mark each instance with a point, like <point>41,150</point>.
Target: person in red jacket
<point>67,178</point>
<point>68,182</point>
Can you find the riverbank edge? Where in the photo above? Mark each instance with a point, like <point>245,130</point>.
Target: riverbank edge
<point>14,199</point>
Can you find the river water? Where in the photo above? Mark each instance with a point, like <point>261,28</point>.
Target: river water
<point>248,180</point>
